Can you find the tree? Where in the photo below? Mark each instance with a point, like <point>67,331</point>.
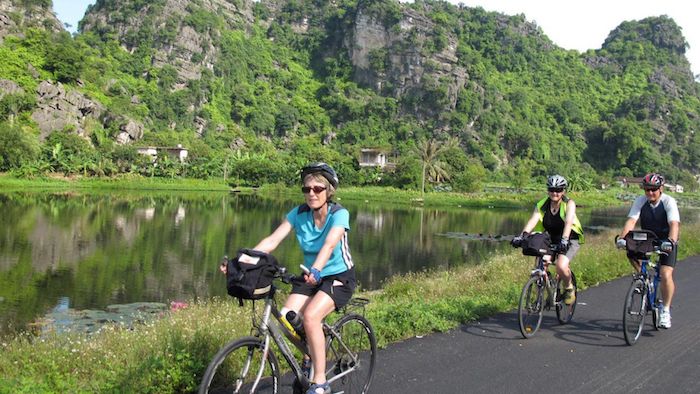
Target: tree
<point>428,152</point>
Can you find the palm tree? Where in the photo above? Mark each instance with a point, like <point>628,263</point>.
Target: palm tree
<point>428,151</point>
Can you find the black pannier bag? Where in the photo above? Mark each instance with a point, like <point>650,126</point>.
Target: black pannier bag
<point>536,244</point>
<point>641,241</point>
<point>249,275</point>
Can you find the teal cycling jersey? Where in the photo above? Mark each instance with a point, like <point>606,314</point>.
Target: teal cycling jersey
<point>312,238</point>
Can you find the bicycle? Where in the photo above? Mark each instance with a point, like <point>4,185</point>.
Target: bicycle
<point>249,364</point>
<point>543,291</point>
<point>642,294</point>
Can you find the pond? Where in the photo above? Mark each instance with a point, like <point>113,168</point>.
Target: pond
<point>75,251</point>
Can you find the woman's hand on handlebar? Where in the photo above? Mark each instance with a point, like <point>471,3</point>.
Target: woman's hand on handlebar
<point>312,276</point>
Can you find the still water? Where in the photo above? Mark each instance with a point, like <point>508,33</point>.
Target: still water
<point>87,251</point>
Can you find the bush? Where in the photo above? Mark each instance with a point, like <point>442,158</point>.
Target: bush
<point>16,147</point>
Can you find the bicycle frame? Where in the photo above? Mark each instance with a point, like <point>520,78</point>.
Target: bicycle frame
<point>273,330</point>
<point>277,331</point>
<point>542,270</point>
<point>644,285</point>
<point>652,286</point>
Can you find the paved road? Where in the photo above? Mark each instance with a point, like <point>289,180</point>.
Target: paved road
<point>588,355</point>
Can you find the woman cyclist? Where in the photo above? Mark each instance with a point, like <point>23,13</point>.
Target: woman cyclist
<point>321,227</point>
<point>556,214</point>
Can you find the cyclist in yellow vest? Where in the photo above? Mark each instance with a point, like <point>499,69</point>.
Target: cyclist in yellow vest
<point>556,214</point>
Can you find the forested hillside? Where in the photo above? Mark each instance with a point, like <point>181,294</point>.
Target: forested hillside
<point>255,89</point>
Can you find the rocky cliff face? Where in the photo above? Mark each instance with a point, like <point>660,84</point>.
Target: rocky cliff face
<point>406,67</point>
<point>15,17</point>
<point>58,109</point>
<point>168,27</point>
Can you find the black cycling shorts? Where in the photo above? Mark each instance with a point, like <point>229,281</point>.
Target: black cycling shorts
<point>339,287</point>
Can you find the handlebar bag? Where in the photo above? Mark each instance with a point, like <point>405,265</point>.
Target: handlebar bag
<point>249,275</point>
<point>641,241</point>
<point>536,244</point>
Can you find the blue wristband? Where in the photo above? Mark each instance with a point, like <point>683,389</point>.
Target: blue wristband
<point>316,274</point>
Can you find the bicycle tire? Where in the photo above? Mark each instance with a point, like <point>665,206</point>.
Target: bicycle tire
<point>234,368</point>
<point>634,312</point>
<point>358,336</point>
<point>566,312</point>
<point>655,318</point>
<point>530,306</point>
<point>655,309</point>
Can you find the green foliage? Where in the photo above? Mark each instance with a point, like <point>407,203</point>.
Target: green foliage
<point>289,89</point>
<point>11,105</point>
<point>64,59</point>
<point>17,147</point>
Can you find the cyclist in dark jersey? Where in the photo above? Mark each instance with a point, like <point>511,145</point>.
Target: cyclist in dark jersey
<point>657,212</point>
<point>556,214</point>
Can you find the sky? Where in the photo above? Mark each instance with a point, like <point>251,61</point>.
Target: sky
<point>571,24</point>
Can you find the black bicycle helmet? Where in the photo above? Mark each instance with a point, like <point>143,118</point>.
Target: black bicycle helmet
<point>323,169</point>
<point>653,180</point>
<point>556,182</point>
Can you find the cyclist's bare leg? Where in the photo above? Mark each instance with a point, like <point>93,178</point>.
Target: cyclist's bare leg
<point>563,269</point>
<point>296,302</point>
<point>667,285</point>
<point>316,310</point>
<point>636,265</point>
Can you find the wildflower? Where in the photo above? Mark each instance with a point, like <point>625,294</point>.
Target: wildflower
<point>177,305</point>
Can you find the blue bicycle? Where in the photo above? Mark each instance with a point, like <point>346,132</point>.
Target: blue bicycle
<point>642,294</point>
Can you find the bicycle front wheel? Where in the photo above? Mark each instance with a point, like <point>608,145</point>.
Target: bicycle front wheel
<point>566,312</point>
<point>530,306</point>
<point>236,367</point>
<point>635,310</point>
<point>350,357</point>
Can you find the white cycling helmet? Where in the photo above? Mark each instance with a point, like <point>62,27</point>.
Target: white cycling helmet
<point>557,182</point>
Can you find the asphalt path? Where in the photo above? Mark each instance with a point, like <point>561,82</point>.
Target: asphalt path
<point>588,355</point>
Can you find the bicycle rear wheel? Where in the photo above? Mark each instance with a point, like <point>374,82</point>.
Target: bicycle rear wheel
<point>530,306</point>
<point>235,367</point>
<point>352,355</point>
<point>566,312</point>
<point>635,310</point>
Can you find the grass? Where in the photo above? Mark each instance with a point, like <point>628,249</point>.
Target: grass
<point>169,355</point>
<point>124,182</point>
<point>505,198</point>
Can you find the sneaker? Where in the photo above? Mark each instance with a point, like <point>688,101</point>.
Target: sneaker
<point>323,388</point>
<point>569,296</point>
<point>665,318</point>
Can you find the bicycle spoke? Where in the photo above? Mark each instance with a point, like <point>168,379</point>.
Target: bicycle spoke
<point>634,312</point>
<point>530,307</point>
<point>351,355</point>
<point>235,368</point>
<point>566,312</point>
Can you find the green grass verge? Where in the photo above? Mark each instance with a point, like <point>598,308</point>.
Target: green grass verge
<point>170,355</point>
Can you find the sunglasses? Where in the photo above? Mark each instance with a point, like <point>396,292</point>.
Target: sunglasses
<point>651,189</point>
<point>555,189</point>
<point>316,189</point>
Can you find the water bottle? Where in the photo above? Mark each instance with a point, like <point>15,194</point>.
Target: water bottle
<point>296,322</point>
<point>289,330</point>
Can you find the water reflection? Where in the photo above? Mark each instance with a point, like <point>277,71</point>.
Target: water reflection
<point>101,249</point>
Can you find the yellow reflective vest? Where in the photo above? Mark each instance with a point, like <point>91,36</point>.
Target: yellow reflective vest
<point>577,228</point>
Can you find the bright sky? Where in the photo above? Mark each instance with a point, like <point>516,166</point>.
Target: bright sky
<point>579,25</point>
